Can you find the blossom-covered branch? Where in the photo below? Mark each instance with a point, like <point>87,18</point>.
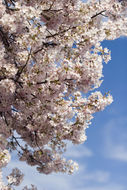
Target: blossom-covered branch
<point>50,58</point>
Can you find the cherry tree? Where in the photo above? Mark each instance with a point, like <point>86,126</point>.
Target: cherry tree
<point>51,60</point>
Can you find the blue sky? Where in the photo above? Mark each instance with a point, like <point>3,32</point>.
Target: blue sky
<point>103,157</point>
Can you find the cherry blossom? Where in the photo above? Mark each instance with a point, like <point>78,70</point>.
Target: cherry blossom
<point>50,59</point>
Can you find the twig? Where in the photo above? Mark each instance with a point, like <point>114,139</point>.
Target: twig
<point>4,38</point>
<point>61,32</point>
<point>98,14</point>
<point>18,74</point>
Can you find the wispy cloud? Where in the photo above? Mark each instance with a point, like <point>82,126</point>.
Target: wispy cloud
<point>115,145</point>
<point>118,152</point>
<point>81,180</point>
<point>78,151</point>
<point>104,187</point>
<point>97,176</point>
<point>86,178</point>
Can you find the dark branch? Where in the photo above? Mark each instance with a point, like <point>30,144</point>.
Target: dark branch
<point>98,14</point>
<point>61,32</point>
<point>4,38</point>
<point>45,44</point>
<point>18,74</point>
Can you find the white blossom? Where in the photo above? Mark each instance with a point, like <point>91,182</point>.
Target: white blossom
<point>50,58</point>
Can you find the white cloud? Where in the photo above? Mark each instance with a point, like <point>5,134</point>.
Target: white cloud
<point>118,152</point>
<point>78,181</point>
<point>97,176</point>
<point>115,145</point>
<point>105,187</point>
<point>84,179</point>
<point>81,180</point>
<point>78,151</point>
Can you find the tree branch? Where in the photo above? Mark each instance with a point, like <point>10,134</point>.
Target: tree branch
<point>18,74</point>
<point>98,14</point>
<point>4,38</point>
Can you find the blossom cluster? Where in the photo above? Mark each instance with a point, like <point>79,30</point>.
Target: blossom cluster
<point>50,58</point>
